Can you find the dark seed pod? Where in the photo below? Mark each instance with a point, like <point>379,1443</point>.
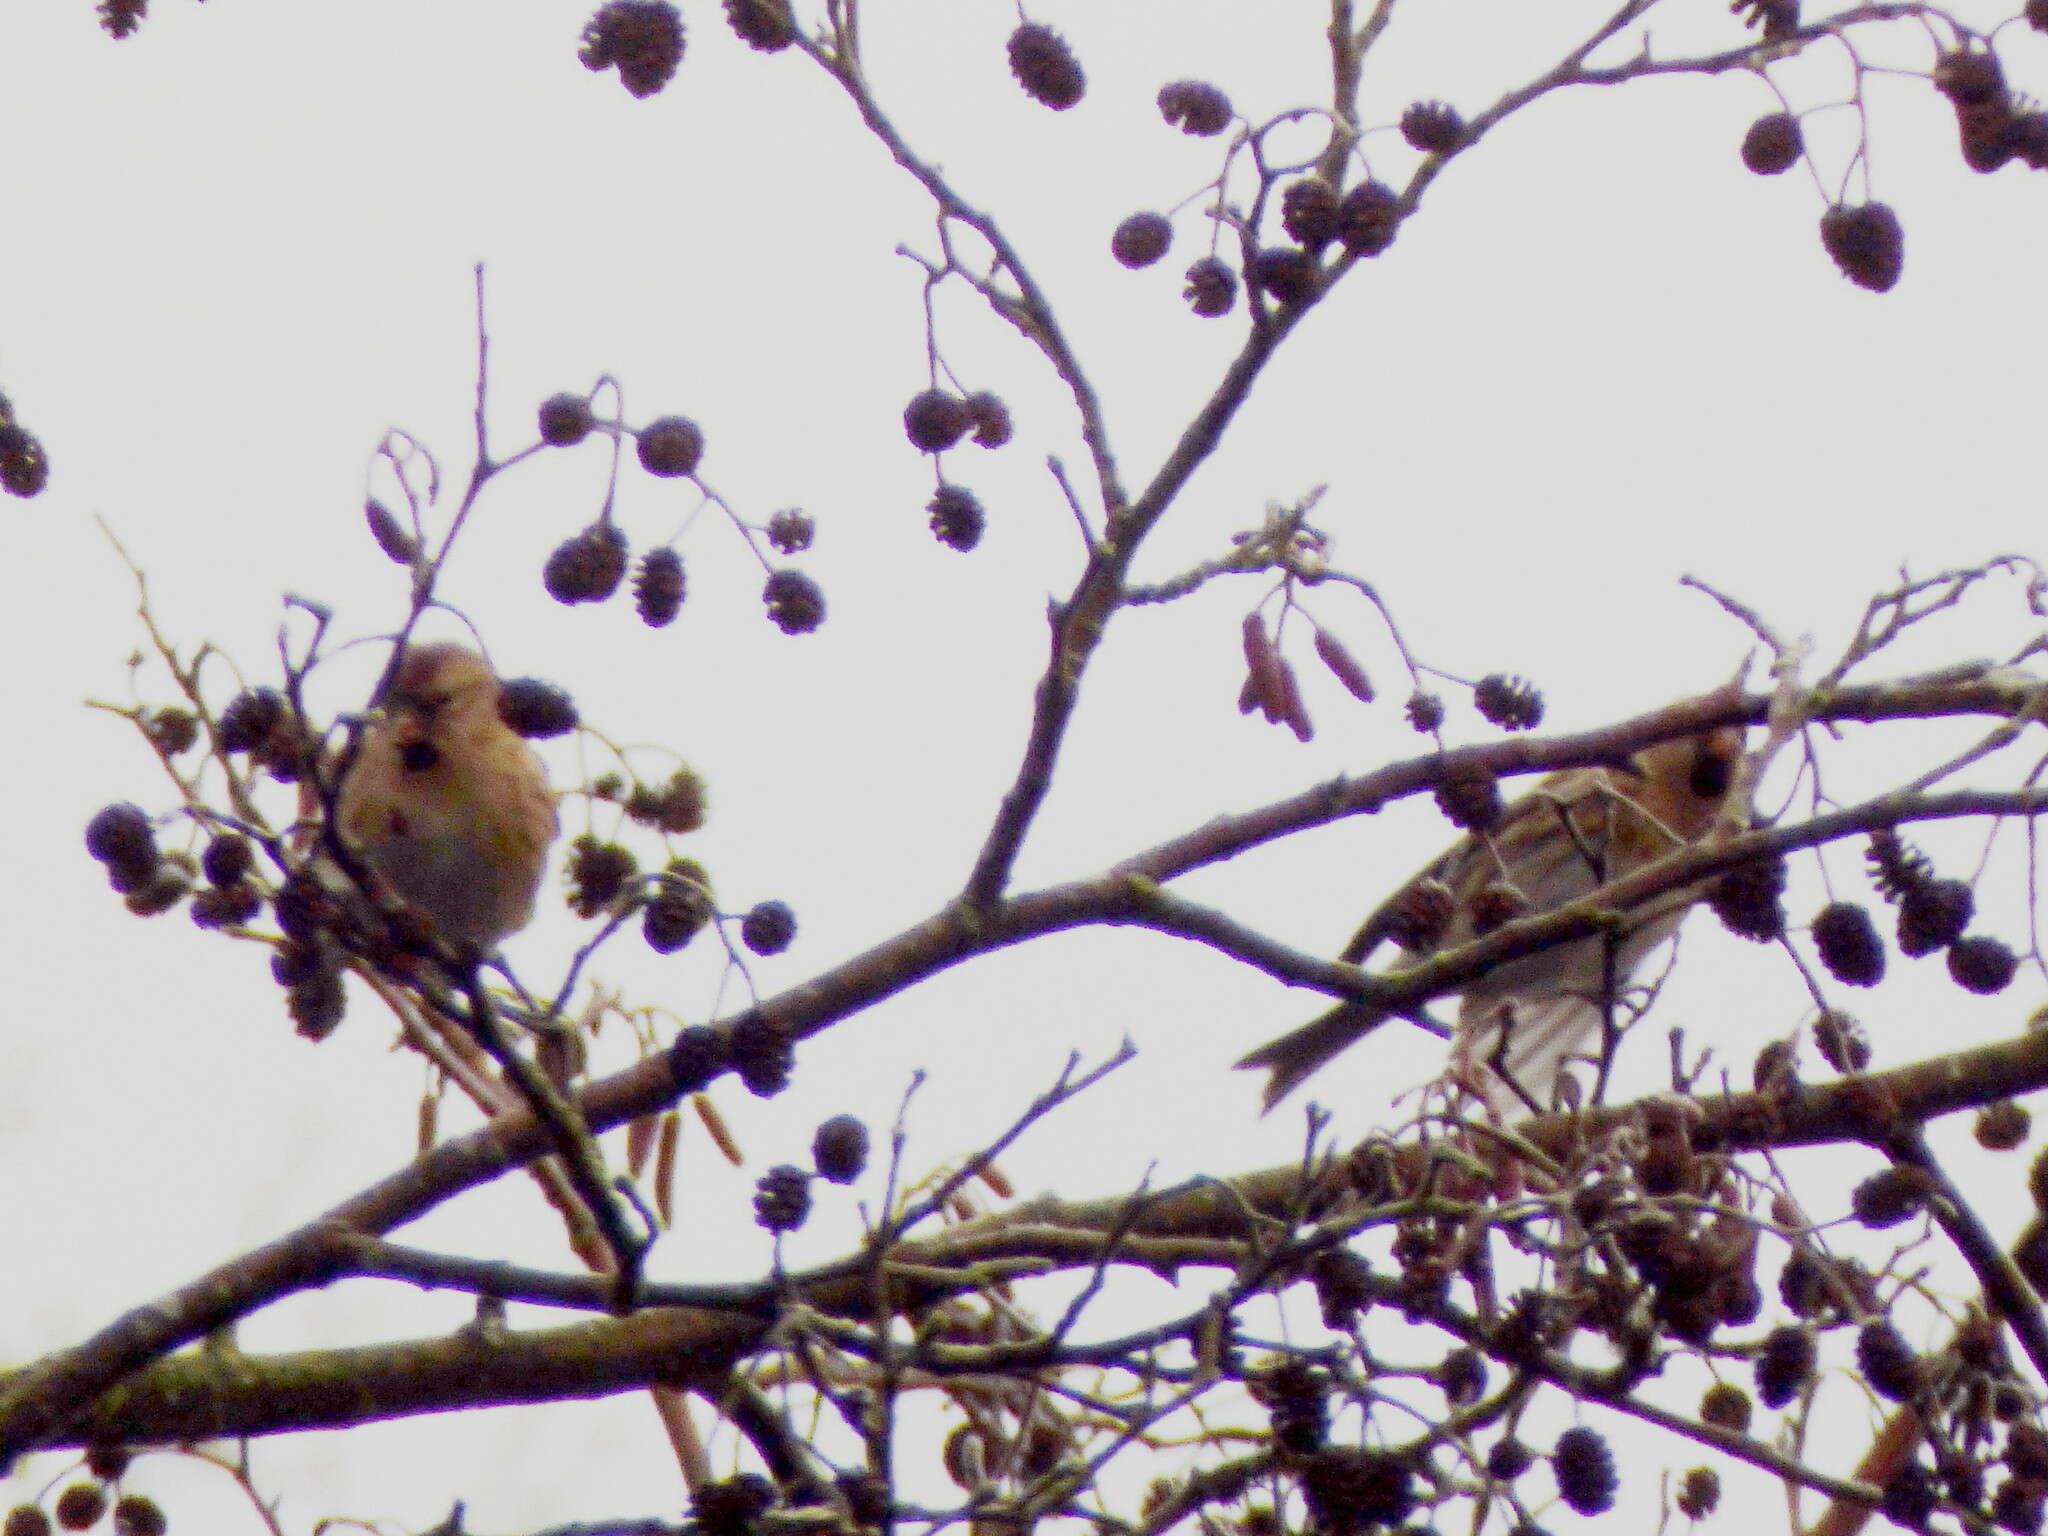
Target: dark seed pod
<point>316,1004</point>
<point>1986,135</point>
<point>1296,1395</point>
<point>782,1198</point>
<point>1344,666</point>
<point>2027,136</point>
<point>935,420</point>
<point>1211,288</point>
<point>26,1519</point>
<point>565,420</point>
<point>1982,964</point>
<point>118,19</point>
<point>642,39</point>
<point>1773,144</point>
<point>1195,107</point>
<point>250,718</point>
<point>1425,711</point>
<point>679,907</point>
<point>1434,127</point>
<point>867,1497</point>
<point>122,838</point>
<point>991,418</point>
<point>679,806</point>
<point>24,467</point>
<point>792,530</point>
<point>1888,1197</point>
<point>1421,912</point>
<point>768,927</point>
<point>399,546</point>
<point>671,446</point>
<point>767,25</point>
<point>108,1462</point>
<point>1726,1406</point>
<point>1347,1486</point>
<point>587,567</point>
<point>171,730</point>
<point>1866,242</point>
<point>957,518</point>
<point>1469,797</point>
<point>2026,1451</point>
<point>658,587</point>
<point>535,709</point>
<point>1784,1365</point>
<point>796,604</point>
<point>1584,1467</point>
<point>1699,1493</point>
<point>1841,1041</point>
<point>1747,899</point>
<point>1368,218</point>
<point>1046,67</point>
<point>1774,18</point>
<point>1887,1362</point>
<point>733,1507</point>
<point>1933,914</point>
<point>839,1150</point>
<point>1342,1281</point>
<point>1495,903</point>
<point>1508,1459</point>
<point>1911,1496</point>
<point>1896,866</point>
<point>227,859</point>
<point>1463,1376</point>
<point>1141,239</point>
<point>225,906</point>
<point>137,1514</point>
<point>598,874</point>
<point>1849,944</point>
<point>764,1055</point>
<point>1512,703</point>
<point>2003,1126</point>
<point>1286,274</point>
<point>1308,212</point>
<point>695,1058</point>
<point>1970,77</point>
<point>2036,13</point>
<point>80,1506</point>
<point>2018,1506</point>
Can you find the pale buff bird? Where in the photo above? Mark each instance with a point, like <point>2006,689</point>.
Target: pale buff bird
<point>1551,1003</point>
<point>447,803</point>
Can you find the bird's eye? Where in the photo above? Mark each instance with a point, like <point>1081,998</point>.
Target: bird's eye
<point>1710,774</point>
<point>419,756</point>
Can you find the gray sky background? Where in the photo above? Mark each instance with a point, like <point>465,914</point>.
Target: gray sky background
<point>238,248</point>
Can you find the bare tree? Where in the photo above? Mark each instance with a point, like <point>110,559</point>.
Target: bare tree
<point>1389,1334</point>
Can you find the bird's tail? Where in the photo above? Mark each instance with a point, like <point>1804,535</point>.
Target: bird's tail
<point>1300,1053</point>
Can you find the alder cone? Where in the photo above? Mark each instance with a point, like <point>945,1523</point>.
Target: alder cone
<point>1141,239</point>
<point>763,24</point>
<point>1773,144</point>
<point>1195,107</point>
<point>642,39</point>
<point>1046,67</point>
<point>1866,242</point>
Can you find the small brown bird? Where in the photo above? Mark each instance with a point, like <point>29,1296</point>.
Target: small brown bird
<point>447,802</point>
<point>1575,831</point>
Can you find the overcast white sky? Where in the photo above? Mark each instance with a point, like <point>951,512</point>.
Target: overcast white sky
<point>238,248</point>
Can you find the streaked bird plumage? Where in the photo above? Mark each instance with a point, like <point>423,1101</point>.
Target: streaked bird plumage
<point>1572,833</point>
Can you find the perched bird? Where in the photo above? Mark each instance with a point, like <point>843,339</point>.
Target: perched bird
<point>1575,831</point>
<point>446,802</point>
